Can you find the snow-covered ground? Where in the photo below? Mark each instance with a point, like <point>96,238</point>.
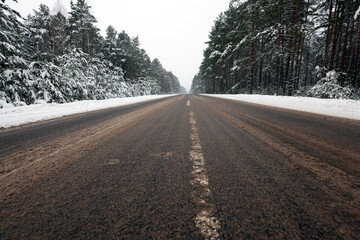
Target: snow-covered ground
<point>331,107</point>
<point>15,116</point>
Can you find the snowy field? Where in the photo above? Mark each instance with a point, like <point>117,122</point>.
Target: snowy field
<point>15,116</point>
<point>331,107</point>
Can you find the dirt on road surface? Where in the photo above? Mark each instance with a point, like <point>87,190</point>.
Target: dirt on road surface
<point>183,167</point>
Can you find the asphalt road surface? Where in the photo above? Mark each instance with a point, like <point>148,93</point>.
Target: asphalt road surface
<point>184,167</point>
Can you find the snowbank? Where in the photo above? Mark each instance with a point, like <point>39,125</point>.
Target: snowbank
<point>330,87</point>
<point>331,107</point>
<point>15,116</point>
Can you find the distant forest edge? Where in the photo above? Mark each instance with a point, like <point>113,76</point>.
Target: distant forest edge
<point>297,47</point>
<point>53,58</point>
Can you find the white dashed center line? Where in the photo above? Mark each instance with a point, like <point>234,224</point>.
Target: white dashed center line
<point>204,220</point>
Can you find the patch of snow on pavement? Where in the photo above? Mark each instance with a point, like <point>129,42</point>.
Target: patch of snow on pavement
<point>332,107</point>
<point>15,116</point>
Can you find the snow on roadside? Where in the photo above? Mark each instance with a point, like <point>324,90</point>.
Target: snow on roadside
<point>331,107</point>
<point>15,116</point>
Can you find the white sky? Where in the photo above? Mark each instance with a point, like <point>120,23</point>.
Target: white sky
<point>174,31</point>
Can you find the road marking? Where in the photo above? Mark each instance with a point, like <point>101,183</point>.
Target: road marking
<point>188,103</point>
<point>113,161</point>
<point>204,220</point>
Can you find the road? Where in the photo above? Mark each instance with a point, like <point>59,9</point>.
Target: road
<point>183,167</point>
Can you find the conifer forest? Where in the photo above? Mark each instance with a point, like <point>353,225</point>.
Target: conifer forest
<point>48,57</point>
<point>284,47</point>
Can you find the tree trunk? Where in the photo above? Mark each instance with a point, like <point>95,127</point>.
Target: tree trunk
<point>213,85</point>
<point>351,45</point>
<point>287,69</point>
<point>279,49</point>
<point>88,42</point>
<point>328,35</point>
<point>295,85</point>
<point>261,62</point>
<point>335,39</point>
<point>307,69</point>
<point>344,50</point>
<point>293,51</point>
<point>253,57</point>
<point>354,59</point>
<point>282,62</point>
<point>302,36</point>
<point>222,88</point>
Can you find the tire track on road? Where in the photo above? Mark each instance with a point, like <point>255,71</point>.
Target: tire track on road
<point>336,176</point>
<point>24,165</point>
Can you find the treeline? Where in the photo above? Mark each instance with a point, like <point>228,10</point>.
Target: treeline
<point>56,58</point>
<point>283,47</point>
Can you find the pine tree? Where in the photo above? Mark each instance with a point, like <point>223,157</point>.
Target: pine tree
<point>11,35</point>
<point>39,42</point>
<point>110,50</point>
<point>13,84</point>
<point>58,33</point>
<point>83,33</point>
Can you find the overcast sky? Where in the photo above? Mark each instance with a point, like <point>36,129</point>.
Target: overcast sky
<point>174,31</point>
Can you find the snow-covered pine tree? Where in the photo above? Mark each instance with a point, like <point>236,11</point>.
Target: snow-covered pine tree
<point>82,30</point>
<point>39,42</point>
<point>59,34</point>
<point>14,84</point>
<point>109,49</point>
<point>159,74</point>
<point>123,43</point>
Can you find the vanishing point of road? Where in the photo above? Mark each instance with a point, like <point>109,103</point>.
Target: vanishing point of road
<point>182,167</point>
